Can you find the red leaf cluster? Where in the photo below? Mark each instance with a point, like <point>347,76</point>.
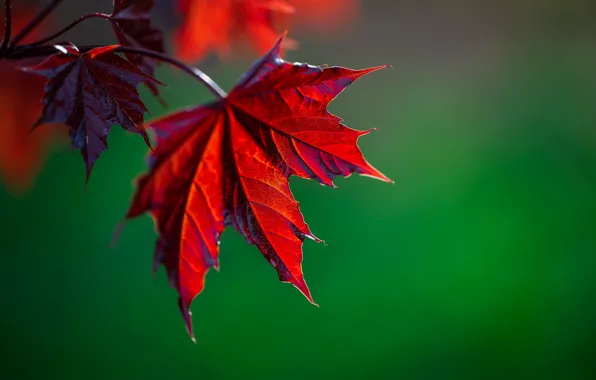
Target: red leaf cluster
<point>223,164</point>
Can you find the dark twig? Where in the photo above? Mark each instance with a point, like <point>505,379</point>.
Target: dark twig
<point>7,26</point>
<point>28,51</point>
<point>36,20</point>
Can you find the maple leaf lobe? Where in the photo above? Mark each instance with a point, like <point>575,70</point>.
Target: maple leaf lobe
<point>90,92</point>
<point>228,164</point>
<point>131,21</point>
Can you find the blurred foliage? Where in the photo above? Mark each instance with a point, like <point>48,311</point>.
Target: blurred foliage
<point>477,264</point>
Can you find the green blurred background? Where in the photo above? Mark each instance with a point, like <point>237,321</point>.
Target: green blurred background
<point>479,263</point>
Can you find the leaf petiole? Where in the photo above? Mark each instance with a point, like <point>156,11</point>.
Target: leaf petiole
<point>198,74</point>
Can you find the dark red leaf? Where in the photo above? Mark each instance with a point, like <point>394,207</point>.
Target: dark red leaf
<point>228,163</point>
<point>90,92</point>
<point>131,20</point>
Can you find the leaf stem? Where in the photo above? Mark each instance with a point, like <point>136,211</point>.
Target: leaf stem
<point>198,74</point>
<point>69,27</point>
<point>7,25</point>
<point>36,20</point>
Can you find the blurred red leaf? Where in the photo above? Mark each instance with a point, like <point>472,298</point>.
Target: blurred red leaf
<point>228,163</point>
<point>21,151</point>
<point>323,17</point>
<point>218,24</point>
<point>90,92</point>
<point>131,20</point>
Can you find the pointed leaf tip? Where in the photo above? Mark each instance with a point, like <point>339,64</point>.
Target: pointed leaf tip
<point>187,316</point>
<point>276,49</point>
<point>300,284</point>
<point>117,232</point>
<point>312,237</point>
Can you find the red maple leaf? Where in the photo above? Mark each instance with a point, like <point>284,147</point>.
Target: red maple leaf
<point>21,151</point>
<point>89,93</point>
<point>131,20</point>
<point>228,163</point>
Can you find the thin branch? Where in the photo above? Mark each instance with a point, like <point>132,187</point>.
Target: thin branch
<point>69,27</point>
<point>7,25</point>
<point>198,74</point>
<point>36,20</point>
<point>27,51</point>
